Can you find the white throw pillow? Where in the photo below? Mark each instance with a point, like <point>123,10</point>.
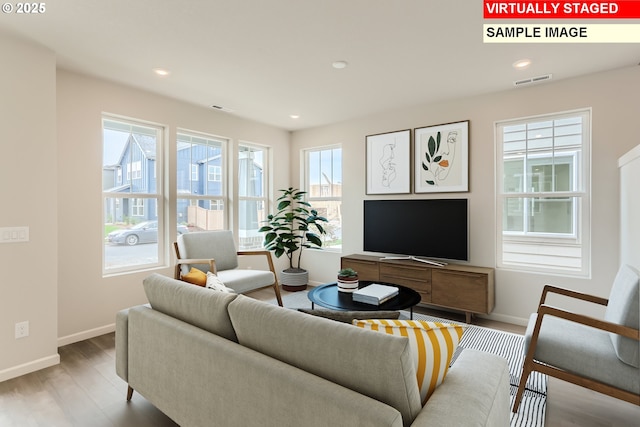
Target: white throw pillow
<point>214,282</point>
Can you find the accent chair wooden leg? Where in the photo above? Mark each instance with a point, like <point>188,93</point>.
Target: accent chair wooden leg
<point>527,367</point>
<point>129,393</point>
<point>276,288</point>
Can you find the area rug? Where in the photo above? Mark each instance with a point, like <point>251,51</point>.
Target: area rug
<point>510,346</point>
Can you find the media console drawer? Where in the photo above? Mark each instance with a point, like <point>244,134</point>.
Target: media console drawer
<point>458,287</point>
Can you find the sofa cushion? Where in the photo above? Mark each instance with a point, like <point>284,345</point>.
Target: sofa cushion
<point>350,316</point>
<point>432,347</point>
<point>624,309</point>
<point>192,304</point>
<point>377,365</point>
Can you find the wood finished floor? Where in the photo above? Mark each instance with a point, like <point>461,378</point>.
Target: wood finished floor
<point>84,391</point>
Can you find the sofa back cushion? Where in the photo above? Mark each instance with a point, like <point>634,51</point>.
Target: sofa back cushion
<point>377,365</point>
<point>201,307</point>
<point>624,309</point>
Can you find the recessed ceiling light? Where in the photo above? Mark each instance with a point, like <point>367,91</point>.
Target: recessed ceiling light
<point>295,116</point>
<point>339,65</point>
<point>161,72</point>
<point>521,64</point>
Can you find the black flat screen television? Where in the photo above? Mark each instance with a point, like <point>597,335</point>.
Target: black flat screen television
<point>434,228</point>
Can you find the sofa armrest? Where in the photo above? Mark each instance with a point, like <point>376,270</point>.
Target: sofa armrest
<point>475,392</point>
<point>122,344</point>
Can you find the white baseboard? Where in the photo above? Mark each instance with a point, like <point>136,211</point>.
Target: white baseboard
<point>506,319</point>
<point>85,335</point>
<point>27,368</point>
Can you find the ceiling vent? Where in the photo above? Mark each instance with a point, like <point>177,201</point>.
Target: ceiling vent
<point>225,109</point>
<point>532,80</point>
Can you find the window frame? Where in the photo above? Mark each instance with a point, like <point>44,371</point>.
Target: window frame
<point>192,197</point>
<point>158,194</point>
<point>306,180</point>
<point>525,250</point>
<point>247,242</point>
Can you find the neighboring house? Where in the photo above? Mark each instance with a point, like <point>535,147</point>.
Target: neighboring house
<point>133,173</point>
<point>198,173</point>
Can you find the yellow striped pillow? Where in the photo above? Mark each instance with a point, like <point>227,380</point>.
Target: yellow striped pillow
<point>432,345</point>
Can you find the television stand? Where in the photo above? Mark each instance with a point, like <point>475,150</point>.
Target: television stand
<point>454,286</point>
<point>412,258</point>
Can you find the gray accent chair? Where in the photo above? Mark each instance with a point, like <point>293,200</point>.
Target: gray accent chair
<point>215,251</point>
<point>602,355</point>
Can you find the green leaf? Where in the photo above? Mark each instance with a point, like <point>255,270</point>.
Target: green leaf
<point>284,204</point>
<point>432,146</point>
<point>428,157</point>
<point>438,143</point>
<point>425,167</point>
<point>437,159</point>
<point>314,239</point>
<point>431,182</point>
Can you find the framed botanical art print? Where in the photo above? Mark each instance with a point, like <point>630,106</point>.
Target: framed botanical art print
<point>389,163</point>
<point>441,158</point>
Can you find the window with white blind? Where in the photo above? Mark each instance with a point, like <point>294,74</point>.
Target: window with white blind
<point>542,187</point>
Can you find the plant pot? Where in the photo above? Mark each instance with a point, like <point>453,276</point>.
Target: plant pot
<point>294,280</point>
<point>347,284</point>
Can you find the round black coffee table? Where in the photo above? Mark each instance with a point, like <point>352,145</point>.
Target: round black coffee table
<point>328,296</point>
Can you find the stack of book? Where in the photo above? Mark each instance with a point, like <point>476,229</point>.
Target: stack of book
<point>375,294</point>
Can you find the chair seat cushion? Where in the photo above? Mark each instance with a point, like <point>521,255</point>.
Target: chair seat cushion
<point>243,281</point>
<point>581,350</point>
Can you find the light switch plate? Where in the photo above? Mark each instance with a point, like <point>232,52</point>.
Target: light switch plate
<point>14,234</point>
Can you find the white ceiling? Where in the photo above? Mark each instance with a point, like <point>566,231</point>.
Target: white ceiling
<point>268,59</point>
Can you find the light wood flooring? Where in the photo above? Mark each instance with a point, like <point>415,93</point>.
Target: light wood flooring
<point>84,391</point>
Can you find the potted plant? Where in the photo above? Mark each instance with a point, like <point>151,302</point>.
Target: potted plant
<point>347,280</point>
<point>294,227</point>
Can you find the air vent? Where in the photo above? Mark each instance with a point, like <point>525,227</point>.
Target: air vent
<point>225,109</point>
<point>532,80</point>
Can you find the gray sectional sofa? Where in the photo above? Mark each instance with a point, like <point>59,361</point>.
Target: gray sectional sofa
<point>206,358</point>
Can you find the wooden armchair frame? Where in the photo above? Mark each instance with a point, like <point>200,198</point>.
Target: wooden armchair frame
<point>212,266</point>
<point>530,364</point>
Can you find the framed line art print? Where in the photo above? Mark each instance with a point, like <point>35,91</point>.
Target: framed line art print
<point>441,158</point>
<point>389,163</point>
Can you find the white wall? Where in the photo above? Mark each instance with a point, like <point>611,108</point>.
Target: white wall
<point>615,99</point>
<point>50,180</point>
<point>87,302</point>
<point>28,194</point>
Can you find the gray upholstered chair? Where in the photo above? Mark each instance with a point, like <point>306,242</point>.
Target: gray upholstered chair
<point>602,355</point>
<point>215,251</point>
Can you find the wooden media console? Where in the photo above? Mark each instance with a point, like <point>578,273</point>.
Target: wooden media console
<point>458,287</point>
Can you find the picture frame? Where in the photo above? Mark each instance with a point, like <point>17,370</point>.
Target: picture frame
<point>441,158</point>
<point>388,163</point>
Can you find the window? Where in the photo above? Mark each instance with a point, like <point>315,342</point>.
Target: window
<point>323,184</point>
<point>214,173</point>
<point>252,195</point>
<point>543,193</point>
<point>132,210</point>
<point>201,200</point>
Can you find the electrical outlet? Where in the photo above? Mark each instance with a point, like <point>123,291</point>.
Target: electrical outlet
<point>22,329</point>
